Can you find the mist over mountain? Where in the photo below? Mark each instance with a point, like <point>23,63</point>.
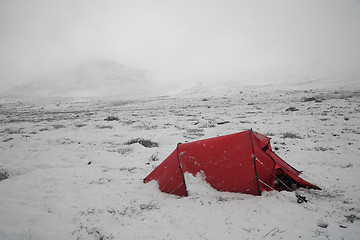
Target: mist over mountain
<point>90,79</point>
<point>174,41</point>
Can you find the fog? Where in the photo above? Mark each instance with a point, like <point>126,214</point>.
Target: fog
<point>201,38</point>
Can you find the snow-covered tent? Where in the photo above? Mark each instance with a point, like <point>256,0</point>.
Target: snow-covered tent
<point>241,162</point>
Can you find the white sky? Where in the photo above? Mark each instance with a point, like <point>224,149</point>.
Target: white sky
<point>205,37</point>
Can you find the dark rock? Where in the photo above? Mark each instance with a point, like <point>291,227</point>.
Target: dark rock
<point>292,109</point>
<point>224,122</point>
<point>322,224</point>
<point>310,99</point>
<point>8,139</point>
<point>111,118</point>
<point>3,174</point>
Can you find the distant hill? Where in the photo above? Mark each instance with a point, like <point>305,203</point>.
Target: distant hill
<point>107,80</point>
<point>99,78</point>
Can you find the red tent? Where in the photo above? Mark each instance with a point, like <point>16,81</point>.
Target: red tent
<point>241,162</point>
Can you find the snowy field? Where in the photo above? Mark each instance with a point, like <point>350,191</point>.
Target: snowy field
<point>72,168</point>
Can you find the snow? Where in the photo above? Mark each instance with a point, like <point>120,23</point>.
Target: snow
<point>72,175</point>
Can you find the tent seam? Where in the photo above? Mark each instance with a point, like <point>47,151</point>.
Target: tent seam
<point>182,173</point>
<point>256,176</point>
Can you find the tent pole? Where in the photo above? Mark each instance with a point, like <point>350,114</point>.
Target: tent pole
<point>182,173</point>
<point>257,180</point>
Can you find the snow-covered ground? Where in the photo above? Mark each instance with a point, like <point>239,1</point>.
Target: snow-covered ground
<point>72,174</point>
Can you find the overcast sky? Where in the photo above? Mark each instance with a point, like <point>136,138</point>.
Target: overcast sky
<point>203,37</point>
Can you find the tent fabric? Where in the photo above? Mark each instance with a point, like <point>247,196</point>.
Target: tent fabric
<point>241,162</point>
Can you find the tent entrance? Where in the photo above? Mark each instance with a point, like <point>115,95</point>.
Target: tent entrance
<point>283,181</point>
